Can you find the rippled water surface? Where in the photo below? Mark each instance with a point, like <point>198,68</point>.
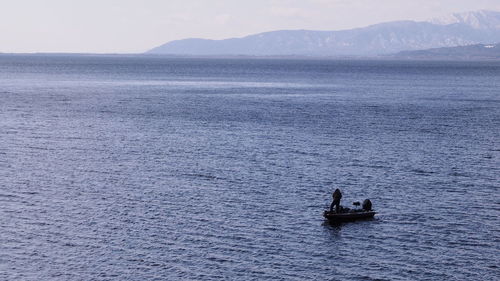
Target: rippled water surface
<point>150,168</point>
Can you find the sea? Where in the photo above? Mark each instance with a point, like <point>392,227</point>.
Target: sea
<point>123,167</point>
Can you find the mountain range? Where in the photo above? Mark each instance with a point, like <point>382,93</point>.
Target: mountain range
<point>480,27</point>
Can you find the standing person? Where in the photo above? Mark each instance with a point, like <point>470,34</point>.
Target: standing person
<point>337,195</point>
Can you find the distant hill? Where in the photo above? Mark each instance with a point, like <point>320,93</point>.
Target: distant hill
<point>476,52</point>
<point>482,27</point>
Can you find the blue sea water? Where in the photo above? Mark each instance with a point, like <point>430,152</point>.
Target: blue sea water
<point>154,168</point>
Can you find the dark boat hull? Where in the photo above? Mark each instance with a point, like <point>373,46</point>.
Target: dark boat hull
<point>350,216</point>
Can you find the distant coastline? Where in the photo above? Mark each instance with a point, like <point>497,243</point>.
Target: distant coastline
<point>470,52</point>
<point>420,55</point>
<point>464,37</point>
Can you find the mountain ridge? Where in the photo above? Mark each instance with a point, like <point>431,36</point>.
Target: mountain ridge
<point>378,39</point>
<point>479,19</point>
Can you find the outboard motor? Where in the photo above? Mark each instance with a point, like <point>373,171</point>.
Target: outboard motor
<point>367,205</point>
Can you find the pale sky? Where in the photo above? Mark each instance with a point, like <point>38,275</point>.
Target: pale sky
<point>130,26</point>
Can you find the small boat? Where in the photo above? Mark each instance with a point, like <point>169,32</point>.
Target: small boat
<point>347,216</point>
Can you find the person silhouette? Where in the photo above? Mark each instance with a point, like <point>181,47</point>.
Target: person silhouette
<point>337,195</point>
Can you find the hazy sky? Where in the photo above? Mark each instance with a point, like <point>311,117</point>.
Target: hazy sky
<point>127,26</point>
